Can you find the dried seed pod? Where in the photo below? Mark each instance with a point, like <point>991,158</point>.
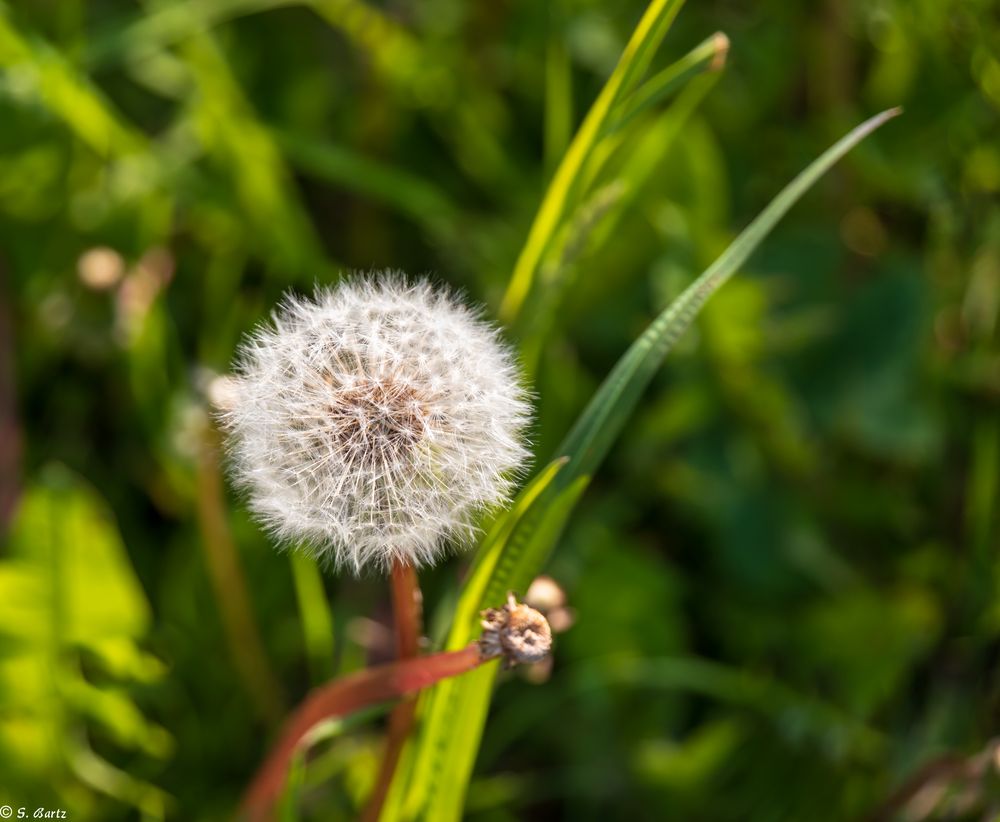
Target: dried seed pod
<point>516,633</point>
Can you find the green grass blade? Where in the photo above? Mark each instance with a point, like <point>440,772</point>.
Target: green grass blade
<point>314,611</point>
<point>598,216</point>
<point>709,55</point>
<point>321,768</point>
<point>564,190</point>
<point>492,549</point>
<point>456,711</point>
<point>604,417</point>
<point>66,93</point>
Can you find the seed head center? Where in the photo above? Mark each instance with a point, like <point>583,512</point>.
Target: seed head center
<point>381,417</point>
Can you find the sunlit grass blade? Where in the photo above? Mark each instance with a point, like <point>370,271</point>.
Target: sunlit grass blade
<point>709,55</point>
<point>597,217</point>
<point>67,94</point>
<point>454,716</point>
<point>342,697</point>
<point>314,611</point>
<point>491,550</point>
<point>564,190</point>
<point>601,422</point>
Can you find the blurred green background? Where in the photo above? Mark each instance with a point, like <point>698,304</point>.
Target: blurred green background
<point>784,580</point>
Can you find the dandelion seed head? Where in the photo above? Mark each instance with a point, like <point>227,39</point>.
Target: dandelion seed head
<point>371,423</point>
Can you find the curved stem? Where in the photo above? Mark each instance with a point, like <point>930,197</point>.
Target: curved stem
<point>344,696</point>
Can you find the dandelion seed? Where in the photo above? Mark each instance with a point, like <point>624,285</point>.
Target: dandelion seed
<point>373,421</point>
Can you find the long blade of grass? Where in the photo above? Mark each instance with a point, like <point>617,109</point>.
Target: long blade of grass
<point>315,614</point>
<point>597,216</point>
<point>604,417</point>
<point>564,189</point>
<point>67,94</point>
<point>710,55</point>
<point>455,714</point>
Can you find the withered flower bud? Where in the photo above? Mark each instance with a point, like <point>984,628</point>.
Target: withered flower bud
<point>516,633</point>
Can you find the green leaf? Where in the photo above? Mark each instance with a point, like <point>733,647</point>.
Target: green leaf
<point>315,614</point>
<point>66,537</point>
<point>564,192</point>
<point>67,589</point>
<point>709,55</point>
<point>598,216</point>
<point>455,711</point>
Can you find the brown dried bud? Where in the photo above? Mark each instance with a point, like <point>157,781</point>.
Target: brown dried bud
<point>516,632</point>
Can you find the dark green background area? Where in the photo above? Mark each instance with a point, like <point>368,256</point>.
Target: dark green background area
<point>784,579</point>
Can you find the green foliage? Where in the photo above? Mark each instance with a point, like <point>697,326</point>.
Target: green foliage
<point>779,550</point>
<point>69,603</point>
<point>446,749</point>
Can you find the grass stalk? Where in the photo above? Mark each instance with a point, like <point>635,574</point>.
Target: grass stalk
<point>230,588</point>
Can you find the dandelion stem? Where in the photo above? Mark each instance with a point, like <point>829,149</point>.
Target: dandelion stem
<point>407,609</point>
<point>407,614</point>
<point>344,696</point>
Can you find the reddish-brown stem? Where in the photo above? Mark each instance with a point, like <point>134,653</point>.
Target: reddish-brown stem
<point>345,696</point>
<point>408,616</point>
<point>407,609</point>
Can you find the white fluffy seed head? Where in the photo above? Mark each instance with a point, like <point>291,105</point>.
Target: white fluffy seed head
<point>371,423</point>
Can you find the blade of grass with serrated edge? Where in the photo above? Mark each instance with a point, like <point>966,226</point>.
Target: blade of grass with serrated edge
<point>412,772</point>
<point>456,711</point>
<point>562,191</point>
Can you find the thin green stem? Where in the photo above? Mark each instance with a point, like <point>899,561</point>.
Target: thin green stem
<point>314,611</point>
<point>229,584</point>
